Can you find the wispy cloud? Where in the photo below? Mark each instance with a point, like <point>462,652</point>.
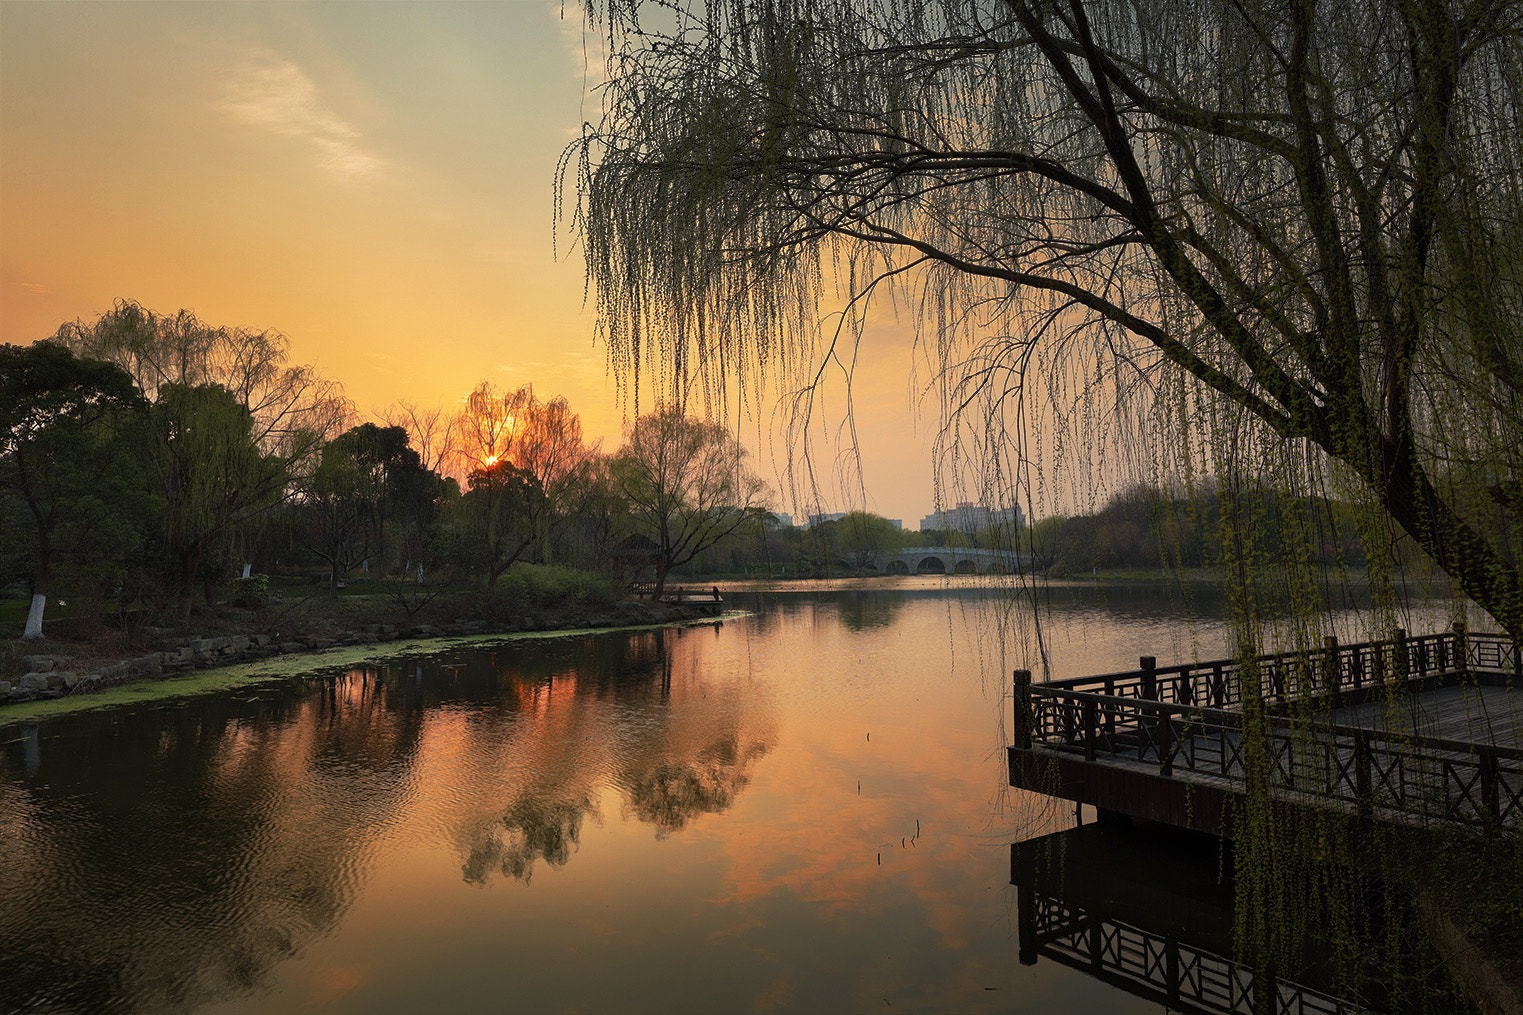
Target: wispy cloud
<point>37,288</point>
<point>275,94</point>
<point>584,45</point>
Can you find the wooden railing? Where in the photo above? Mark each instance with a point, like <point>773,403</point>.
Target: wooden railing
<point>1330,670</point>
<point>1172,717</point>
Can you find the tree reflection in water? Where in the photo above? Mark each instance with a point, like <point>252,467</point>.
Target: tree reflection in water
<point>670,760</point>
<point>193,846</point>
<point>532,829</point>
<point>675,792</point>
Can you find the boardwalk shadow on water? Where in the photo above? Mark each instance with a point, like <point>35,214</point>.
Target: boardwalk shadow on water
<point>1151,910</point>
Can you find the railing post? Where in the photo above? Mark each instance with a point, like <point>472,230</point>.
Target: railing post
<point>1110,714</point>
<point>1218,697</point>
<point>1022,695</point>
<point>1490,798</point>
<point>1165,742</point>
<point>1149,666</point>
<point>1091,718</point>
<point>1461,649</point>
<point>1403,659</point>
<point>1362,784</point>
<point>1332,671</point>
<point>1186,686</point>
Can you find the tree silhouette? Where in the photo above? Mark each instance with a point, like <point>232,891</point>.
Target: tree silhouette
<point>1297,225</point>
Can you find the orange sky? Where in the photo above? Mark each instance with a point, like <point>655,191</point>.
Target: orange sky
<point>375,181</point>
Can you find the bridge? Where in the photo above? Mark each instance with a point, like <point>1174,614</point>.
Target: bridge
<point>948,560</point>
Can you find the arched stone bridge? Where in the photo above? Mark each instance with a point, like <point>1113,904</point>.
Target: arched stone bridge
<point>949,560</point>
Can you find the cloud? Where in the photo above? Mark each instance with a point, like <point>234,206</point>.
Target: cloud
<point>586,47</point>
<point>276,95</point>
<point>37,288</point>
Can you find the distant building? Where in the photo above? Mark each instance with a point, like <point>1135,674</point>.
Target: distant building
<point>782,520</point>
<point>829,516</point>
<point>897,523</point>
<point>969,518</point>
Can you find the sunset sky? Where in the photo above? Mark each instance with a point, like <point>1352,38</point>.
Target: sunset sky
<point>373,180</point>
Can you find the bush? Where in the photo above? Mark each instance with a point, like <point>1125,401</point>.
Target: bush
<point>252,592</point>
<point>552,585</point>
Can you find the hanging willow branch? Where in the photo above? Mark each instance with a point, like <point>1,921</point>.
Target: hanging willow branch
<point>1312,212</point>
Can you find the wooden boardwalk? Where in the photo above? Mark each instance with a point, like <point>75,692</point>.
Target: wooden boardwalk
<point>1420,731</point>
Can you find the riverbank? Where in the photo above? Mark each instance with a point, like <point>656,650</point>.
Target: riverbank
<point>79,663</point>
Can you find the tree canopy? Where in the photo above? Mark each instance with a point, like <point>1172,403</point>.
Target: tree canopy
<point>686,483</point>
<point>1284,223</point>
<point>61,443</point>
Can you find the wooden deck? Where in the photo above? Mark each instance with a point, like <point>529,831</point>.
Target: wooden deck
<point>1419,731</point>
<point>711,599</point>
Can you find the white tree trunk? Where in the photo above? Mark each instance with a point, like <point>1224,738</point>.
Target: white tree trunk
<point>33,630</point>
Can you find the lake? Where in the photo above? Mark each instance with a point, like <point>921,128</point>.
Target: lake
<point>804,808</point>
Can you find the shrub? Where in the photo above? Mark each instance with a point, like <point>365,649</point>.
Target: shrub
<point>252,592</point>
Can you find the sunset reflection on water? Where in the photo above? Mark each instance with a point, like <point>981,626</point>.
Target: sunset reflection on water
<point>803,809</point>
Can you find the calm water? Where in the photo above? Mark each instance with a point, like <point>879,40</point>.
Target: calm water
<point>803,809</point>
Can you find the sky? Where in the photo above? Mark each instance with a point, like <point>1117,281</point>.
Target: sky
<point>376,181</point>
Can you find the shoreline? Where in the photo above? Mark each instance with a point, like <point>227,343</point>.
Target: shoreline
<point>208,664</point>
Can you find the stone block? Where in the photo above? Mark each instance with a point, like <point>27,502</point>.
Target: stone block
<point>5,688</point>
<point>238,643</point>
<point>34,681</point>
<point>38,664</point>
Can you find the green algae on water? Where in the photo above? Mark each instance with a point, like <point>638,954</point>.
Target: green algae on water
<point>273,668</point>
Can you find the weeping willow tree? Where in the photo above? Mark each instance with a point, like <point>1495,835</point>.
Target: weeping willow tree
<point>1301,218</point>
<point>1256,241</point>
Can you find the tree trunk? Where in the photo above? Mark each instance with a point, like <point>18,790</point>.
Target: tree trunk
<point>40,587</point>
<point>33,630</point>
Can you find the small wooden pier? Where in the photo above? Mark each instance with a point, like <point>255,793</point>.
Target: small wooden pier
<point>712,601</point>
<point>1424,731</point>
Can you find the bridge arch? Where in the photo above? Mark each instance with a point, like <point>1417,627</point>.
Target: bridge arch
<point>930,565</point>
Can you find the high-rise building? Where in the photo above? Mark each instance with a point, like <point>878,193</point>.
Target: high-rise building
<point>969,518</point>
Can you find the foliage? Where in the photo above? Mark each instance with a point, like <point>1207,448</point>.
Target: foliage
<point>66,431</point>
<point>1317,250</point>
<point>292,408</point>
<point>549,585</point>
<point>252,592</point>
<point>686,483</point>
<point>366,481</point>
<point>542,441</point>
<point>213,477</point>
<point>493,523</point>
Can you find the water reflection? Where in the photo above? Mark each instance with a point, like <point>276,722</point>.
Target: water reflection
<point>803,810</point>
<point>169,855</point>
<point>159,857</point>
<point>1149,910</point>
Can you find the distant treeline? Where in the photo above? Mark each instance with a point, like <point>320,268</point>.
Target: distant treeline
<point>147,461</point>
<point>1145,527</point>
